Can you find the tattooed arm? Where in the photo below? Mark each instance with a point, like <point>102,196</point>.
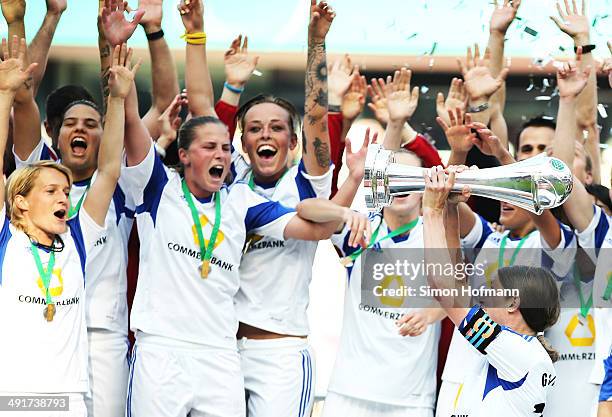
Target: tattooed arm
<point>315,138</point>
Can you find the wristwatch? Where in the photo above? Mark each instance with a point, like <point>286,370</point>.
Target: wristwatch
<point>478,109</point>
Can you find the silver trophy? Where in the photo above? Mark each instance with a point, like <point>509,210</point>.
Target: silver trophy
<point>534,184</point>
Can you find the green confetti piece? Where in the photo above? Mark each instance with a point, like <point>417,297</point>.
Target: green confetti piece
<point>531,31</point>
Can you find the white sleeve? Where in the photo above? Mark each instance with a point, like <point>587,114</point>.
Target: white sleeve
<point>265,217</point>
<point>595,233</point>
<point>84,230</point>
<point>42,152</point>
<point>321,184</point>
<point>479,233</point>
<point>143,183</point>
<point>239,167</point>
<point>562,257</point>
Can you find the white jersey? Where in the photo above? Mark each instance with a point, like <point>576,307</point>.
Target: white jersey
<point>172,300</point>
<point>486,241</point>
<point>275,273</point>
<point>374,362</point>
<point>35,355</point>
<point>512,376</point>
<point>106,270</point>
<point>596,239</point>
<point>606,387</point>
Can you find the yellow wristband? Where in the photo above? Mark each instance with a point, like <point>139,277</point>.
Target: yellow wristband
<point>198,38</point>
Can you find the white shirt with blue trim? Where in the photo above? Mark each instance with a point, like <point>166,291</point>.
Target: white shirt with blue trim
<point>606,386</point>
<point>374,362</point>
<point>512,376</point>
<point>106,270</point>
<point>172,300</point>
<point>275,273</point>
<point>485,242</point>
<point>38,356</point>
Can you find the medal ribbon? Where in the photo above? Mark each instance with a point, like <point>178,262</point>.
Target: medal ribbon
<point>75,209</point>
<point>252,180</point>
<point>584,306</point>
<point>205,251</point>
<point>608,292</point>
<point>45,275</point>
<point>502,248</point>
<point>399,231</point>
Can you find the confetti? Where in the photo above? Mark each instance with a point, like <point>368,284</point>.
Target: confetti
<point>257,73</point>
<point>433,48</point>
<point>414,35</point>
<point>531,85</point>
<point>548,118</point>
<point>424,89</point>
<point>531,31</point>
<point>543,98</point>
<point>545,85</point>
<point>602,111</point>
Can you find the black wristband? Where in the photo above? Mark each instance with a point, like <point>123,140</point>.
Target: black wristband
<point>585,48</point>
<point>155,35</point>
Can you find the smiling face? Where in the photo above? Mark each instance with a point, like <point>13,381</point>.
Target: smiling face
<point>45,207</point>
<point>207,159</point>
<point>79,140</point>
<point>513,217</point>
<point>267,139</point>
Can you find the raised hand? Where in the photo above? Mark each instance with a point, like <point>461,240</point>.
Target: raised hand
<point>339,77</point>
<point>57,6</point>
<point>503,16</point>
<point>401,103</point>
<point>479,82</point>
<point>570,79</point>
<point>117,29</point>
<point>486,141</point>
<point>355,161</point>
<point>376,91</point>
<point>122,73</point>
<point>607,65</point>
<point>353,100</point>
<point>192,15</point>
<point>239,65</point>
<point>458,132</point>
<point>12,71</point>
<point>13,10</point>
<point>574,21</point>
<point>457,99</point>
<point>170,121</point>
<point>321,17</point>
<point>152,19</point>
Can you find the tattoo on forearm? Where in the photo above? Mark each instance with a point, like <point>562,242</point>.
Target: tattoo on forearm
<point>304,143</point>
<point>316,76</point>
<point>321,152</point>
<point>105,75</point>
<point>105,52</point>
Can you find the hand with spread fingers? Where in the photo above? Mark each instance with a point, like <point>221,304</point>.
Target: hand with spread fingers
<point>573,21</point>
<point>457,99</point>
<point>479,83</point>
<point>170,120</point>
<point>571,80</point>
<point>122,73</point>
<point>12,71</point>
<point>458,132</point>
<point>354,99</point>
<point>239,65</point>
<point>401,102</point>
<point>339,77</point>
<point>117,29</point>
<point>503,15</point>
<point>376,91</point>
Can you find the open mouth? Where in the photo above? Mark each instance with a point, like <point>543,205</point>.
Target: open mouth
<point>216,171</point>
<point>60,214</point>
<point>78,145</point>
<point>506,208</point>
<point>266,152</point>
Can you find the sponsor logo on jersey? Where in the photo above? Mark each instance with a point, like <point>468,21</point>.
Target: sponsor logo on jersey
<point>585,356</point>
<point>194,253</point>
<point>29,299</point>
<point>255,242</point>
<point>204,221</point>
<point>101,241</point>
<point>56,285</point>
<point>380,311</point>
<point>573,327</point>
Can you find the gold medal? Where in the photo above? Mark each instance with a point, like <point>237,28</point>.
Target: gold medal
<point>205,269</point>
<point>49,312</point>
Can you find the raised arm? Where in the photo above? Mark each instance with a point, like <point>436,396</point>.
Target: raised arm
<point>109,156</point>
<point>168,124</point>
<point>315,140</point>
<point>197,75</point>
<point>12,76</point>
<point>163,70</point>
<point>571,81</point>
<point>574,21</point>
<point>40,45</point>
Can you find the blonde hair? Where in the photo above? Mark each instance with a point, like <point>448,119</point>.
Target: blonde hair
<point>21,183</point>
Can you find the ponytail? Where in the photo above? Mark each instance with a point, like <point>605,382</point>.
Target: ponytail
<point>554,355</point>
